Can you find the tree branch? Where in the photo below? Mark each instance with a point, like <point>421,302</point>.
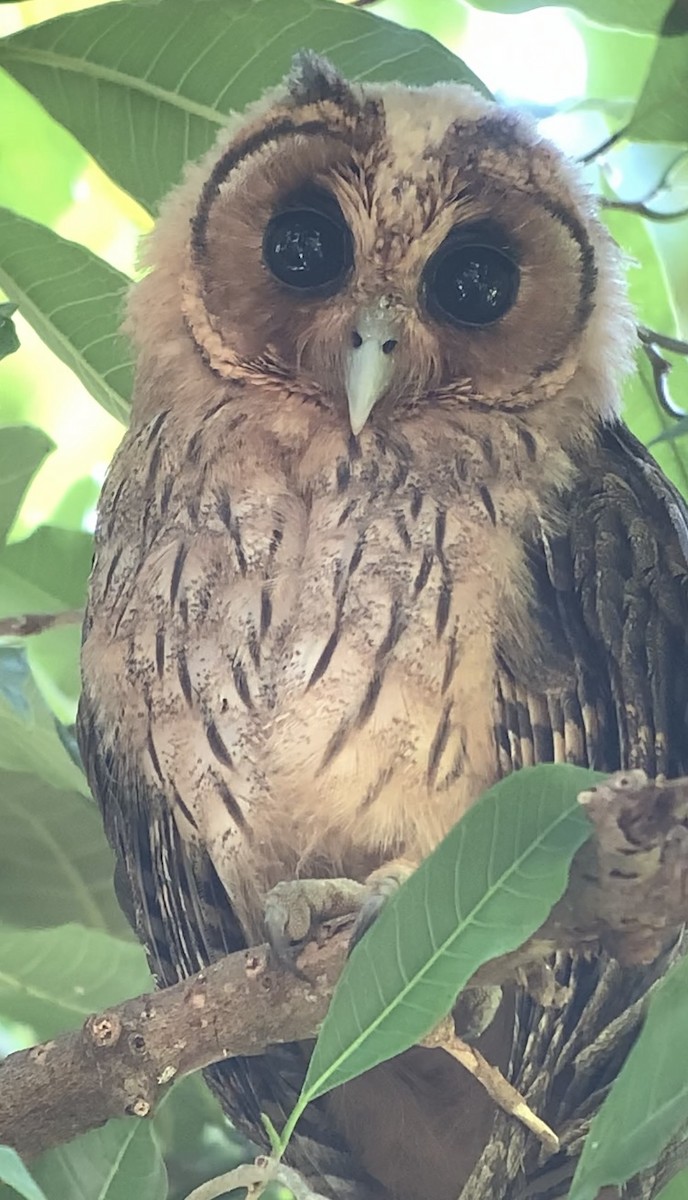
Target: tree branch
<point>661,367</point>
<point>628,892</point>
<point>30,623</point>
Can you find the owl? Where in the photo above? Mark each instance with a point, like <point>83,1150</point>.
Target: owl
<point>376,537</point>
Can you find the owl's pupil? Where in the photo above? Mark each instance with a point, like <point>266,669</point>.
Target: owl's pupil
<point>471,284</point>
<point>306,249</point>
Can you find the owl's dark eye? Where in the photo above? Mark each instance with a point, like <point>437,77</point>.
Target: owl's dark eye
<point>471,280</point>
<point>308,245</point>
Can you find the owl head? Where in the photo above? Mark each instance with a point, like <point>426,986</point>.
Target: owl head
<point>379,249</point>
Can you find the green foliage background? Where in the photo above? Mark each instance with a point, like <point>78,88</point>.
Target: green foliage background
<point>98,114</point>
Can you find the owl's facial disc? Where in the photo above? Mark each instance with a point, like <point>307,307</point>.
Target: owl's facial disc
<point>370,363</point>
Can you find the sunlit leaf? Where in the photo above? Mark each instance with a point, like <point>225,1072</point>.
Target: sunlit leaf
<point>649,293</point>
<point>51,979</point>
<point>9,340</point>
<point>55,865</point>
<point>74,300</point>
<point>29,736</point>
<point>481,893</point>
<point>121,1161</point>
<point>142,115</point>
<point>641,15</point>
<point>40,160</point>
<point>22,450</point>
<point>15,1175</point>
<point>648,1103</point>
<point>77,504</point>
<point>661,113</point>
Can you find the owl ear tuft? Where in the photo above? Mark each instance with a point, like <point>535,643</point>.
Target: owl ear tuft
<point>313,79</point>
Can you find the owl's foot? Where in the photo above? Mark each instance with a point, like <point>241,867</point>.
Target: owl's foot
<point>380,886</point>
<point>294,908</point>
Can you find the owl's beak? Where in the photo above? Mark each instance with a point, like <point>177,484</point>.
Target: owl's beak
<point>370,364</point>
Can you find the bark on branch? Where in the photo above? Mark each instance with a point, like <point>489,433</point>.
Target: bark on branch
<point>628,891</point>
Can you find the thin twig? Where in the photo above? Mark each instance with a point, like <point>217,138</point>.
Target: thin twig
<point>642,210</point>
<point>30,623</point>
<point>504,1094</point>
<point>604,146</point>
<point>661,367</point>
<point>673,344</point>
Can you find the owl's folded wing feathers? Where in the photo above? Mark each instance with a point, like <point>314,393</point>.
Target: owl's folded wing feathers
<point>611,596</point>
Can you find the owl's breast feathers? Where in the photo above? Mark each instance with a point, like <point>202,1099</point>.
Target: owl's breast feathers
<point>307,634</point>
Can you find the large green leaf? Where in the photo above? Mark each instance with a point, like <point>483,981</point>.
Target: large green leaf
<point>51,979</point>
<point>121,1161</point>
<point>648,1103</point>
<point>22,450</point>
<point>55,864</point>
<point>30,740</point>
<point>74,300</point>
<point>641,15</point>
<point>15,1175</point>
<point>145,87</point>
<point>661,113</point>
<point>46,572</point>
<point>481,893</point>
<point>40,161</point>
<point>53,657</point>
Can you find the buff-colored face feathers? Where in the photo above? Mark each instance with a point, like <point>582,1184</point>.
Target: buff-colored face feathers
<point>429,203</point>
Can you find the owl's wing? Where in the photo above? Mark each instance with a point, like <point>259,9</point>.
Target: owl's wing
<point>610,643</point>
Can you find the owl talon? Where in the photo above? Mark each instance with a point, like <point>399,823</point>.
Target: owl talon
<point>293,908</point>
<point>380,887</point>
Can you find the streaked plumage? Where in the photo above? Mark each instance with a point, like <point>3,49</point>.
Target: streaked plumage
<point>308,650</point>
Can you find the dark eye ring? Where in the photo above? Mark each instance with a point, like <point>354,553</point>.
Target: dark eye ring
<point>308,245</point>
<point>470,280</point>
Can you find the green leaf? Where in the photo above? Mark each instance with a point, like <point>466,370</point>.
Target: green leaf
<point>74,300</point>
<point>196,1139</point>
<point>118,1162</point>
<point>676,1189</point>
<point>53,657</point>
<point>55,864</point>
<point>51,979</point>
<point>77,505</point>
<point>661,113</point>
<point>30,740</point>
<point>46,572</point>
<point>143,114</point>
<point>640,15</point>
<point>648,1103</point>
<point>22,450</point>
<point>41,162</point>
<point>9,340</point>
<point>14,1173</point>
<point>488,885</point>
